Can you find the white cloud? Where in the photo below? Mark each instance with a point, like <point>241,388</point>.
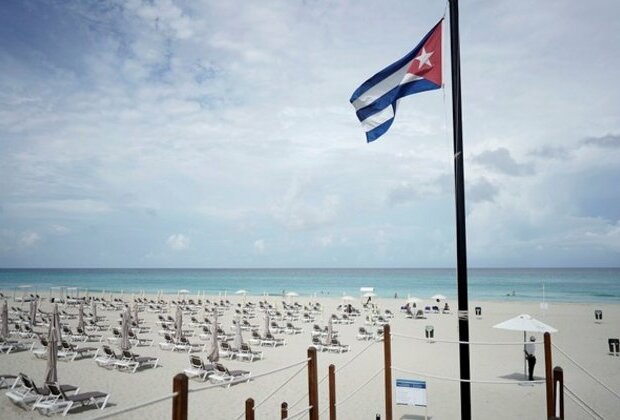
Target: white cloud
<point>178,242</point>
<point>29,239</point>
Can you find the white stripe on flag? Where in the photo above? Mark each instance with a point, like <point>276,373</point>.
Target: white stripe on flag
<point>378,118</point>
<point>397,78</point>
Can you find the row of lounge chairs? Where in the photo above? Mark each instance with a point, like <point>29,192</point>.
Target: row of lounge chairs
<point>334,346</point>
<point>66,352</point>
<point>243,353</point>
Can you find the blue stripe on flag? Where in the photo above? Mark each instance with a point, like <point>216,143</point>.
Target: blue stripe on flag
<point>379,130</point>
<point>400,91</point>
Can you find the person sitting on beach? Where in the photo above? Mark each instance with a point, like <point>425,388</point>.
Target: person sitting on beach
<point>446,307</point>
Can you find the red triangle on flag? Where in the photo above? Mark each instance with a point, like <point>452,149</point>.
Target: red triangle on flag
<point>427,63</point>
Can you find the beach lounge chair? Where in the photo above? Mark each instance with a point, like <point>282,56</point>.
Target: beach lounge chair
<point>246,353</point>
<point>131,361</point>
<point>168,343</point>
<point>107,358</point>
<point>198,369</point>
<point>138,341</point>
<point>184,345</point>
<point>336,347</point>
<point>276,328</point>
<point>69,351</point>
<point>7,346</point>
<point>58,400</point>
<point>270,340</point>
<point>364,334</point>
<point>24,391</point>
<point>292,329</point>
<point>225,350</point>
<point>40,352</point>
<point>227,377</point>
<point>318,344</point>
<point>256,338</point>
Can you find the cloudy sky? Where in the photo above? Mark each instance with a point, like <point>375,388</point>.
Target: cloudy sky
<point>219,134</point>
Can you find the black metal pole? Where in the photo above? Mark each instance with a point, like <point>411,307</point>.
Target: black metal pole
<point>459,187</point>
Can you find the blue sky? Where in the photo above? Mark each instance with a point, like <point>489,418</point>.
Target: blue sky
<point>219,134</point>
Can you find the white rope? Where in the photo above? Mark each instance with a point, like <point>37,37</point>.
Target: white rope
<point>297,372</point>
<point>300,412</point>
<point>359,388</point>
<point>472,381</point>
<point>337,370</point>
<point>586,372</point>
<point>581,403</point>
<point>136,406</point>
<point>478,343</point>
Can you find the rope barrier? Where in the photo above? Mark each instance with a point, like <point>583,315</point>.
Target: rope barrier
<point>248,378</point>
<point>348,397</point>
<point>582,404</point>
<point>586,372</point>
<point>479,343</point>
<point>297,372</point>
<point>300,412</point>
<point>472,381</point>
<point>136,406</point>
<point>337,370</point>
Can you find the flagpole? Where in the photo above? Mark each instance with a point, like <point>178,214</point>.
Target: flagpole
<point>459,187</point>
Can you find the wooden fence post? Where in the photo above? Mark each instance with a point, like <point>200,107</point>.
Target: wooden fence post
<point>313,385</point>
<point>284,411</point>
<point>549,374</point>
<point>558,380</point>
<point>179,402</point>
<point>332,392</point>
<point>249,409</point>
<point>387,353</point>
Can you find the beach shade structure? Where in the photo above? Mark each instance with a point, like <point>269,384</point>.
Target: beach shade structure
<point>525,323</point>
<point>348,298</point>
<point>438,297</point>
<point>182,292</point>
<point>135,314</point>
<point>81,324</point>
<point>413,299</point>
<point>369,294</point>
<point>4,330</point>
<point>125,343</point>
<point>178,324</point>
<point>213,355</point>
<point>51,370</point>
<point>238,337</point>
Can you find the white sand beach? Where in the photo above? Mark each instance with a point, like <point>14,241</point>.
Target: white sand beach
<point>578,336</point>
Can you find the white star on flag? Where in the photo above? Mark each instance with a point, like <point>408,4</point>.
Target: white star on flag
<point>424,58</point>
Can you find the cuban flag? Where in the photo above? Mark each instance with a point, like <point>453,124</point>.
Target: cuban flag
<point>420,70</point>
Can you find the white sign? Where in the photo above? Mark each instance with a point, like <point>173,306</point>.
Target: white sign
<point>411,392</point>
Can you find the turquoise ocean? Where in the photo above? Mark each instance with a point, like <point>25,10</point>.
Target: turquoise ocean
<point>559,284</point>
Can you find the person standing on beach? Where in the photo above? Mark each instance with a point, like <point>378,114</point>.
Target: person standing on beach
<point>530,355</point>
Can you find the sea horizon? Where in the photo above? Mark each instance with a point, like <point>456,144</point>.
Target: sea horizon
<point>559,284</point>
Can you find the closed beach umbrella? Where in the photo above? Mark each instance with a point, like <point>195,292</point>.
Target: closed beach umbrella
<point>4,332</point>
<point>33,313</point>
<point>238,337</point>
<point>55,324</point>
<point>81,317</point>
<point>93,308</point>
<point>330,331</point>
<point>178,334</point>
<point>266,333</point>
<point>525,323</point>
<point>125,344</point>
<point>135,314</point>
<point>214,350</point>
<point>51,371</point>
